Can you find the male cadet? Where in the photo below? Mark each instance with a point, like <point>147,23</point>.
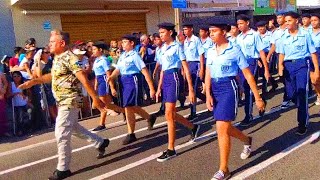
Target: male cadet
<point>272,57</point>
<point>295,49</point>
<point>206,43</point>
<point>252,47</point>
<point>265,37</point>
<point>306,22</point>
<point>195,57</point>
<point>233,33</point>
<point>66,76</point>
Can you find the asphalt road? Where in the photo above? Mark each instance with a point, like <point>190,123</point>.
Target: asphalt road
<point>277,152</point>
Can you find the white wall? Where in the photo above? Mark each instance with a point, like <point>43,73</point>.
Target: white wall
<point>27,26</point>
<point>7,38</point>
<point>159,14</point>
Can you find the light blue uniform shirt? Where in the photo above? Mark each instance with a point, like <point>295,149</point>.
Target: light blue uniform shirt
<point>316,41</point>
<point>296,47</point>
<point>250,44</point>
<point>101,65</point>
<point>232,39</point>
<point>158,55</point>
<point>193,48</point>
<point>130,63</point>
<point>309,29</point>
<point>266,37</point>
<point>276,36</point>
<point>172,55</point>
<point>227,63</point>
<point>206,44</point>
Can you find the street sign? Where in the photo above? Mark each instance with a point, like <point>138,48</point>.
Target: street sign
<point>179,4</point>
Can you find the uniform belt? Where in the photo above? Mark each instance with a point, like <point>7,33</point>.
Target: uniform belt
<point>193,61</point>
<point>296,60</point>
<point>170,71</point>
<point>223,79</point>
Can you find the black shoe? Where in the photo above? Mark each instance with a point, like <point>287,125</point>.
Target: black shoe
<point>102,148</point>
<point>151,121</point>
<point>160,112</point>
<point>130,138</point>
<point>194,132</point>
<point>57,175</point>
<point>192,116</point>
<point>274,87</point>
<point>301,131</point>
<point>166,155</point>
<point>246,122</point>
<point>99,128</point>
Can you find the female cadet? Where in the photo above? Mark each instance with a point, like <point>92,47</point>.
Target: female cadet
<point>102,70</point>
<point>295,49</point>
<point>315,35</point>
<point>130,66</point>
<point>224,60</point>
<point>171,60</point>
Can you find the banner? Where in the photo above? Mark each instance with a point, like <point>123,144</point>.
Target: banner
<point>267,7</point>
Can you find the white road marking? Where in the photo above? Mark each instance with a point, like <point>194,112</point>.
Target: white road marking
<point>150,158</point>
<point>79,149</point>
<point>25,148</point>
<point>277,157</point>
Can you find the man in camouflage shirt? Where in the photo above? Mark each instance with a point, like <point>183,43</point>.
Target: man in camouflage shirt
<point>66,75</point>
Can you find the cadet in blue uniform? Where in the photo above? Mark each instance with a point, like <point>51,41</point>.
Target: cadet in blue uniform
<point>266,38</point>
<point>102,69</point>
<point>233,33</point>
<point>157,69</point>
<point>315,35</point>
<point>223,64</point>
<point>131,68</point>
<point>272,57</point>
<point>172,59</point>
<point>306,22</point>
<point>252,48</point>
<point>295,49</point>
<point>194,53</point>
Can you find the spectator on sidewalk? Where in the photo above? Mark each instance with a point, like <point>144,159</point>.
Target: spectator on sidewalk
<point>43,65</point>
<point>14,61</point>
<point>3,118</point>
<point>22,104</point>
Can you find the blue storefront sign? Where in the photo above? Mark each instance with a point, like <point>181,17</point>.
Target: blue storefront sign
<point>179,3</point>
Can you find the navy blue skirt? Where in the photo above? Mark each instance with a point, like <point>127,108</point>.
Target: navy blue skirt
<point>170,86</point>
<point>103,86</point>
<point>131,90</point>
<point>225,93</point>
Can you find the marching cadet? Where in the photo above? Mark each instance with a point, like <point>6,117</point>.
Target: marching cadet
<point>172,59</point>
<point>223,64</point>
<point>315,35</point>
<point>306,22</point>
<point>233,33</point>
<point>295,49</point>
<point>252,47</point>
<point>265,37</point>
<point>102,70</point>
<point>194,53</point>
<point>273,56</point>
<point>131,68</point>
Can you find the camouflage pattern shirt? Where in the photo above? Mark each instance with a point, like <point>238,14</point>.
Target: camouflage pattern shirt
<point>66,87</point>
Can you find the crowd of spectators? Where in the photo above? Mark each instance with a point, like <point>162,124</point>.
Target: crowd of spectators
<point>20,109</point>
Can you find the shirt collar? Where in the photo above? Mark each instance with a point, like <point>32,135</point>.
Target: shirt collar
<point>130,53</point>
<point>230,46</point>
<point>300,33</point>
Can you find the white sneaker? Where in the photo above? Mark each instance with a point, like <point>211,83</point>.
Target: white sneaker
<point>318,101</point>
<point>246,150</point>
